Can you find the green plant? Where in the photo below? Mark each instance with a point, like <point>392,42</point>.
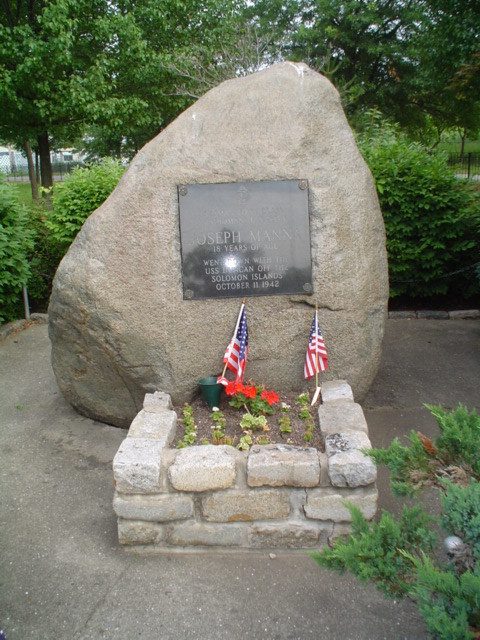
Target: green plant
<point>16,242</point>
<point>44,258</point>
<point>303,399</point>
<point>304,414</point>
<point>245,442</point>
<point>395,555</point>
<point>190,428</point>
<point>448,603</point>
<point>254,423</point>
<point>432,219</point>
<point>454,454</point>
<point>254,399</point>
<point>83,191</point>
<point>284,421</point>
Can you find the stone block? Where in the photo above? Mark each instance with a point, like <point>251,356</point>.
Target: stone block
<point>335,390</point>
<point>337,417</point>
<point>351,440</point>
<point>157,402</point>
<point>136,532</point>
<point>204,468</point>
<point>288,536</point>
<point>340,530</point>
<point>137,466</point>
<point>351,469</point>
<point>433,314</point>
<point>153,508</point>
<point>464,313</point>
<point>329,503</point>
<point>283,465</point>
<point>209,535</point>
<point>236,506</point>
<point>159,426</point>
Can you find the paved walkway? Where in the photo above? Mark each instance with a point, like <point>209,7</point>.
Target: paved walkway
<point>63,577</point>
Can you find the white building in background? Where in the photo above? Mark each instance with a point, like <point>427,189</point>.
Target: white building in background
<point>12,160</point>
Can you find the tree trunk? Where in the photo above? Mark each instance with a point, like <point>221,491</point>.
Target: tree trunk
<point>463,135</point>
<point>37,167</point>
<point>31,170</point>
<point>45,162</point>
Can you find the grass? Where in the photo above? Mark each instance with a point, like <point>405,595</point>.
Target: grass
<point>23,192</point>
<point>454,146</point>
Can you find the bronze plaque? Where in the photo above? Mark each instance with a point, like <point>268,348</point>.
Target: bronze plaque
<point>245,239</point>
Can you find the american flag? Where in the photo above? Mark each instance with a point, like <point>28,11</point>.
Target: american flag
<point>236,354</point>
<point>316,358</point>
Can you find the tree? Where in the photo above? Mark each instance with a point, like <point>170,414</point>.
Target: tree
<point>47,70</point>
<point>400,56</point>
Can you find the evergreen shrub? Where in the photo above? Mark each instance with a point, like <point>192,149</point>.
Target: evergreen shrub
<point>398,556</point>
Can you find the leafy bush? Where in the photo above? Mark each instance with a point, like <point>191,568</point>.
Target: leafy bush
<point>83,191</point>
<point>432,219</point>
<point>43,258</point>
<point>393,555</point>
<point>454,454</point>
<point>448,603</point>
<point>373,552</point>
<point>15,243</point>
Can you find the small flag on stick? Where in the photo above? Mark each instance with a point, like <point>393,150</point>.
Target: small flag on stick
<point>235,357</point>
<point>316,359</point>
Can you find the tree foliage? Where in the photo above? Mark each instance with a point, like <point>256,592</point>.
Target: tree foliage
<point>400,57</point>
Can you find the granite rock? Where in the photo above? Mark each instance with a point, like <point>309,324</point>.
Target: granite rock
<point>117,319</point>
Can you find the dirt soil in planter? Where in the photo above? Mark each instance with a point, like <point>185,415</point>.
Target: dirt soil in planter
<point>203,421</point>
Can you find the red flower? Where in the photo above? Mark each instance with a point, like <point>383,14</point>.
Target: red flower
<point>249,392</point>
<point>270,396</point>
<point>233,388</point>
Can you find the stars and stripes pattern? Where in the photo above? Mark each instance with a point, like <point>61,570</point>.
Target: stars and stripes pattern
<point>316,359</point>
<point>236,354</point>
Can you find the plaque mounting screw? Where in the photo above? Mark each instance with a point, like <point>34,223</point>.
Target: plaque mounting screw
<point>303,184</point>
<point>183,190</point>
<point>307,287</point>
<point>188,294</point>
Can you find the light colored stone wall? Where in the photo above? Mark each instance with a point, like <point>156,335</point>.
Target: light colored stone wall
<point>271,497</point>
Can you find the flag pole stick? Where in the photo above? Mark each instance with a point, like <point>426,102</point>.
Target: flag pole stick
<point>317,386</point>
<point>234,334</point>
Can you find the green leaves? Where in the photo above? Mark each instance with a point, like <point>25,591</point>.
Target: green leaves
<point>455,453</point>
<point>15,243</point>
<point>373,553</point>
<point>396,555</point>
<point>431,218</point>
<point>83,191</point>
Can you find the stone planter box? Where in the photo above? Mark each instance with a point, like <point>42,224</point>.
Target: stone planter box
<point>216,497</point>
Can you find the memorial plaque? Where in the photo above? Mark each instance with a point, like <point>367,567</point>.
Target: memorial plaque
<point>245,239</point>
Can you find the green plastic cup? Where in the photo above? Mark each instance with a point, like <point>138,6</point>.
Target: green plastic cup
<point>211,390</point>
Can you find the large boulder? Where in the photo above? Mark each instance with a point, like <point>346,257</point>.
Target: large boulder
<point>118,322</point>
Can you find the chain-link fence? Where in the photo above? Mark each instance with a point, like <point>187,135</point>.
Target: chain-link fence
<point>14,167</point>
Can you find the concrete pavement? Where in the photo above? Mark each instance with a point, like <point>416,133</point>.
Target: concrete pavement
<point>63,577</point>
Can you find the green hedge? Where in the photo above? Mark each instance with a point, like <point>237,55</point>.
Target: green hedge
<point>432,219</point>
<point>83,191</point>
<point>15,243</point>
